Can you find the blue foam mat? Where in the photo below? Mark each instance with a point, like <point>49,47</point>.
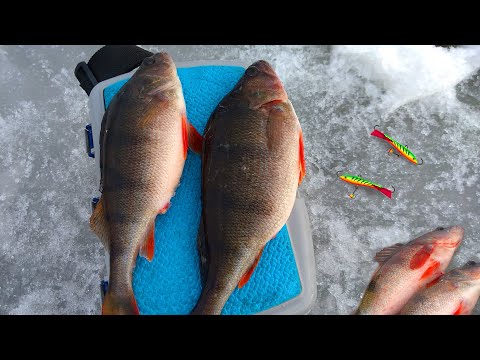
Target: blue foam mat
<point>170,284</point>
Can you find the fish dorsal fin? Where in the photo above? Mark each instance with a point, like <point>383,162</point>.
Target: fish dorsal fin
<point>456,275</point>
<point>386,253</point>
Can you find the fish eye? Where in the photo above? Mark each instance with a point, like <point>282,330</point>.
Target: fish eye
<point>440,228</point>
<point>149,60</point>
<point>252,71</point>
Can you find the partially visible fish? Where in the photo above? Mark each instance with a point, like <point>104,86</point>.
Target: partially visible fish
<point>405,269</point>
<point>252,163</point>
<point>143,146</point>
<point>455,293</point>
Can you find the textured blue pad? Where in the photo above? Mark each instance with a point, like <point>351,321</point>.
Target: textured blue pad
<point>170,284</point>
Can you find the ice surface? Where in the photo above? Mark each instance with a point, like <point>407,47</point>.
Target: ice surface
<point>425,97</point>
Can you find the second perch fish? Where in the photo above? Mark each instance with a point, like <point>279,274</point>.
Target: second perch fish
<point>252,163</point>
<point>407,268</point>
<point>143,145</point>
<point>456,293</point>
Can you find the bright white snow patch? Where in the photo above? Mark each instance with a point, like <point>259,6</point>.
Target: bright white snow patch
<point>408,72</point>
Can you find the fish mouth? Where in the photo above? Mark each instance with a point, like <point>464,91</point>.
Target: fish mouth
<point>447,244</point>
<point>456,232</point>
<point>261,66</point>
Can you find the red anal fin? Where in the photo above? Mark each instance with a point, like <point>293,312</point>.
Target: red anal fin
<point>250,271</point>
<point>378,134</point>
<point>195,140</point>
<point>421,257</point>
<point>386,192</point>
<point>148,246</point>
<point>164,209</point>
<point>301,157</point>
<point>430,270</point>
<point>459,310</point>
<point>184,135</point>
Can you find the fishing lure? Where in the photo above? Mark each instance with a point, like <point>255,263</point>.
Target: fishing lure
<point>402,149</point>
<point>358,181</point>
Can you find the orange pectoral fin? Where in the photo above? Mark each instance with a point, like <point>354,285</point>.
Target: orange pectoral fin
<point>184,135</point>
<point>195,140</point>
<point>301,159</point>
<point>459,310</point>
<point>148,246</point>
<point>421,257</point>
<point>431,270</point>
<point>250,271</point>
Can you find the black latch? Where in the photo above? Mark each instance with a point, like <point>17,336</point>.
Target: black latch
<point>103,288</point>
<point>95,201</point>
<point>89,140</point>
<point>85,77</point>
<point>108,62</point>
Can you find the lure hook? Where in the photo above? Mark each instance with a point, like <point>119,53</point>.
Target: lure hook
<point>352,195</point>
<point>393,189</point>
<point>421,162</point>
<point>375,127</point>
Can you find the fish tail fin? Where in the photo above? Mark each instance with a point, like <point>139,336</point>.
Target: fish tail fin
<point>378,134</point>
<point>119,305</point>
<point>386,192</point>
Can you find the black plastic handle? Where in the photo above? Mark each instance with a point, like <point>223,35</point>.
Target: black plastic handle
<point>108,62</point>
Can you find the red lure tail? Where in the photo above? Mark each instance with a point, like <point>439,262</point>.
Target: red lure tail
<point>378,134</point>
<point>385,192</point>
